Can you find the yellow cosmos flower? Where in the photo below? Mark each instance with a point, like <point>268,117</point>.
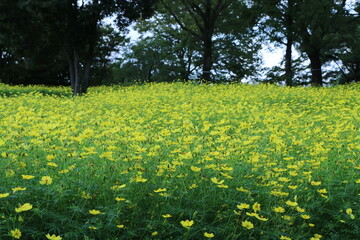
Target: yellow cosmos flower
<point>52,164</point>
<point>119,199</point>
<point>154,234</point>
<point>50,157</point>
<point>279,209</point>
<point>95,212</point>
<point>349,211</point>
<point>53,237</point>
<point>284,238</point>
<point>16,233</point>
<point>92,228</point>
<point>304,216</point>
<point>18,189</point>
<point>243,206</point>
<point>187,223</point>
<point>46,180</point>
<point>322,190</point>
<point>193,186</point>
<point>23,208</point>
<point>140,179</point>
<point>120,226</point>
<point>166,216</point>
<point>299,209</point>
<point>241,189</point>
<point>27,176</point>
<point>256,207</point>
<point>208,235</point>
<point>216,181</point>
<point>118,187</point>
<point>316,237</point>
<point>315,183</point>
<point>4,195</point>
<point>248,225</point>
<point>160,190</point>
<point>195,169</point>
<point>292,204</point>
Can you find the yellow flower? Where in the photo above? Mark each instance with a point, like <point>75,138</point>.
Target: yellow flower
<point>120,199</point>
<point>349,211</point>
<point>256,207</point>
<point>140,179</point>
<point>247,224</point>
<point>299,209</point>
<point>292,204</point>
<point>166,216</point>
<point>304,216</point>
<point>118,187</point>
<point>217,181</point>
<point>92,228</point>
<point>23,208</point>
<point>284,238</point>
<point>16,233</point>
<point>95,212</point>
<point>120,226</point>
<point>50,157</point>
<point>18,189</point>
<point>27,176</point>
<point>209,235</point>
<point>53,237</point>
<point>322,190</point>
<point>279,209</point>
<point>154,234</point>
<point>160,190</point>
<point>243,206</point>
<point>241,189</point>
<point>311,225</point>
<point>195,169</point>
<point>4,195</point>
<point>52,164</point>
<point>315,183</point>
<point>187,223</point>
<point>46,180</point>
<point>316,237</point>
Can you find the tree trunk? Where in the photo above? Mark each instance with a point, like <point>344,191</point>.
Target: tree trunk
<point>71,72</point>
<point>76,88</point>
<point>86,77</point>
<point>288,64</point>
<point>207,60</point>
<point>316,73</point>
<point>289,37</point>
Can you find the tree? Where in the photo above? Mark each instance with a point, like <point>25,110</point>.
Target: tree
<point>347,55</point>
<point>30,55</point>
<point>318,26</point>
<point>278,26</point>
<point>76,27</point>
<point>205,20</point>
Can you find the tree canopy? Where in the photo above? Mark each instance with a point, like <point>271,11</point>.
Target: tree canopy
<point>57,42</point>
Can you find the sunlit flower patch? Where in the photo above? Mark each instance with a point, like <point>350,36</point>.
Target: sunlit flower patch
<point>176,161</point>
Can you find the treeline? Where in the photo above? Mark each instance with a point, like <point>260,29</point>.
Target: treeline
<point>70,42</point>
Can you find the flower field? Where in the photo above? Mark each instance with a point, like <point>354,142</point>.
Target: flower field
<point>176,161</point>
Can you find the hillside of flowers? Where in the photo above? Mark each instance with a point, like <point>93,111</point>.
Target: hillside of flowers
<point>180,161</point>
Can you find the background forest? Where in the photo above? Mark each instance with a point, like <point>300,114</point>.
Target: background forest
<point>86,43</point>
